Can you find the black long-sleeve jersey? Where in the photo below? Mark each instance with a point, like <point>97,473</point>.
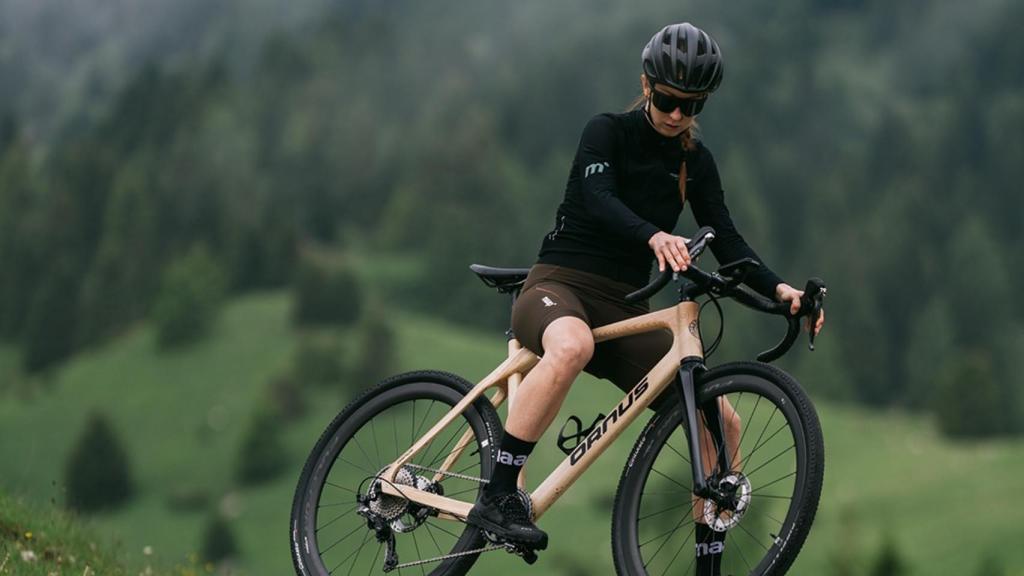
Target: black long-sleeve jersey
<point>623,188</point>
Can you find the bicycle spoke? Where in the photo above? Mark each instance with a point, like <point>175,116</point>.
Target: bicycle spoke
<point>763,486</point>
<point>775,496</point>
<point>394,428</point>
<point>412,421</point>
<point>438,546</point>
<point>663,475</point>
<point>375,558</point>
<point>468,468</point>
<point>376,445</point>
<point>763,430</point>
<point>365,538</point>
<point>454,494</point>
<point>694,559</point>
<point>784,426</point>
<point>441,454</point>
<point>757,403</point>
<point>339,487</point>
<point>670,533</point>
<point>343,538</point>
<point>342,515</point>
<point>419,555</point>
<point>354,465</point>
<point>673,560</point>
<point>355,438</point>
<point>334,504</point>
<point>452,534</point>
<point>663,511</point>
<point>419,430</point>
<point>752,537</point>
<point>674,528</point>
<point>773,458</point>
<point>672,448</point>
<point>742,555</point>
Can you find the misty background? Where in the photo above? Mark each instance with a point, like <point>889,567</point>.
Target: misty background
<point>221,221</point>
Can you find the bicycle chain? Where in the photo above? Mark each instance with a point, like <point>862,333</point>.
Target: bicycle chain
<point>448,557</point>
<point>451,474</point>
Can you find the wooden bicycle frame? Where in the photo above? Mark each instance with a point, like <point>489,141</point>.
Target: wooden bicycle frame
<point>680,319</point>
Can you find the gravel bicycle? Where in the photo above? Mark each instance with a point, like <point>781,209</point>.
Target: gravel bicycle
<point>390,482</point>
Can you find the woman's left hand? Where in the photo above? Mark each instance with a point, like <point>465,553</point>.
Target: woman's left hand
<point>786,293</point>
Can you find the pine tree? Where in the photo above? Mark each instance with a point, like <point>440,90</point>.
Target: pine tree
<point>192,290</point>
<point>377,359</point>
<point>219,543</point>
<point>889,561</point>
<point>326,291</point>
<point>97,473</point>
<point>262,456</point>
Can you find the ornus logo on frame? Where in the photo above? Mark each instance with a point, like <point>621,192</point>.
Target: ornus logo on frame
<point>599,431</point>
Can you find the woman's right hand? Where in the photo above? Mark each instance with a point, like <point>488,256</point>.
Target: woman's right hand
<point>670,249</point>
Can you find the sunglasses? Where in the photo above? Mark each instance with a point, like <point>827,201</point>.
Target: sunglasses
<point>687,106</point>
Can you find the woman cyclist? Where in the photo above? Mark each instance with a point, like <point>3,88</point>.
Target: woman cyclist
<point>631,176</point>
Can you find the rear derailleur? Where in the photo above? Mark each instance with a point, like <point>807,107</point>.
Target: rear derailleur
<point>386,514</point>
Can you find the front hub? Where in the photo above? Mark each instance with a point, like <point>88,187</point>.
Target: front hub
<point>726,508</point>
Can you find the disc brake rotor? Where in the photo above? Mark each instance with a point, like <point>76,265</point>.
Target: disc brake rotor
<point>721,518</point>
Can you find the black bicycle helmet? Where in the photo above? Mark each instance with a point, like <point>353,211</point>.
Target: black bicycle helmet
<point>684,57</point>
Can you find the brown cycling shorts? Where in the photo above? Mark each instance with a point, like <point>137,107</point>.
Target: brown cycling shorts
<point>551,292</point>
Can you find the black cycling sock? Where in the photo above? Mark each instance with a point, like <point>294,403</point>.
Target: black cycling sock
<point>512,455</point>
<point>710,545</point>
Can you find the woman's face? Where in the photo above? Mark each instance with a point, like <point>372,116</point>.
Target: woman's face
<point>669,123</point>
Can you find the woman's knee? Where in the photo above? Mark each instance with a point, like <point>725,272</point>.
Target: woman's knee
<point>569,342</point>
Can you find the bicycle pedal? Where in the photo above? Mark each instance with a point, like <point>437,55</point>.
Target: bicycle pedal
<point>524,552</point>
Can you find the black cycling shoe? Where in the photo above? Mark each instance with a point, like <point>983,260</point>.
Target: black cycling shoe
<point>507,517</point>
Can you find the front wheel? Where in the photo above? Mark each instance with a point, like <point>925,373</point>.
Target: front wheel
<point>774,442</point>
<point>339,510</point>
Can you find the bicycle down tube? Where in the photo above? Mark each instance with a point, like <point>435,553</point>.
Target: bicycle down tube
<point>680,319</point>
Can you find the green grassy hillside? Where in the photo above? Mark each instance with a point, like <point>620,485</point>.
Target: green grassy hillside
<point>37,540</point>
<point>182,415</point>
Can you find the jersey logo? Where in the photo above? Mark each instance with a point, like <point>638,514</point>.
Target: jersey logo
<point>561,224</point>
<point>595,168</point>
<point>548,302</point>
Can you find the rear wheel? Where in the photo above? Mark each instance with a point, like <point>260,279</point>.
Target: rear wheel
<point>330,530</point>
<point>774,481</point>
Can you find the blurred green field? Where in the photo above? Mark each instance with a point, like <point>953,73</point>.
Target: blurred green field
<point>182,415</point>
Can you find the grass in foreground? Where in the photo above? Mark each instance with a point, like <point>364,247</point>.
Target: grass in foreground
<point>35,539</point>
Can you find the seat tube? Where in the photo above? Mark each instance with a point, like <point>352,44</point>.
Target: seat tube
<point>514,380</point>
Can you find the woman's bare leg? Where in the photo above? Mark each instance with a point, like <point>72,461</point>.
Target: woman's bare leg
<point>568,347</point>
